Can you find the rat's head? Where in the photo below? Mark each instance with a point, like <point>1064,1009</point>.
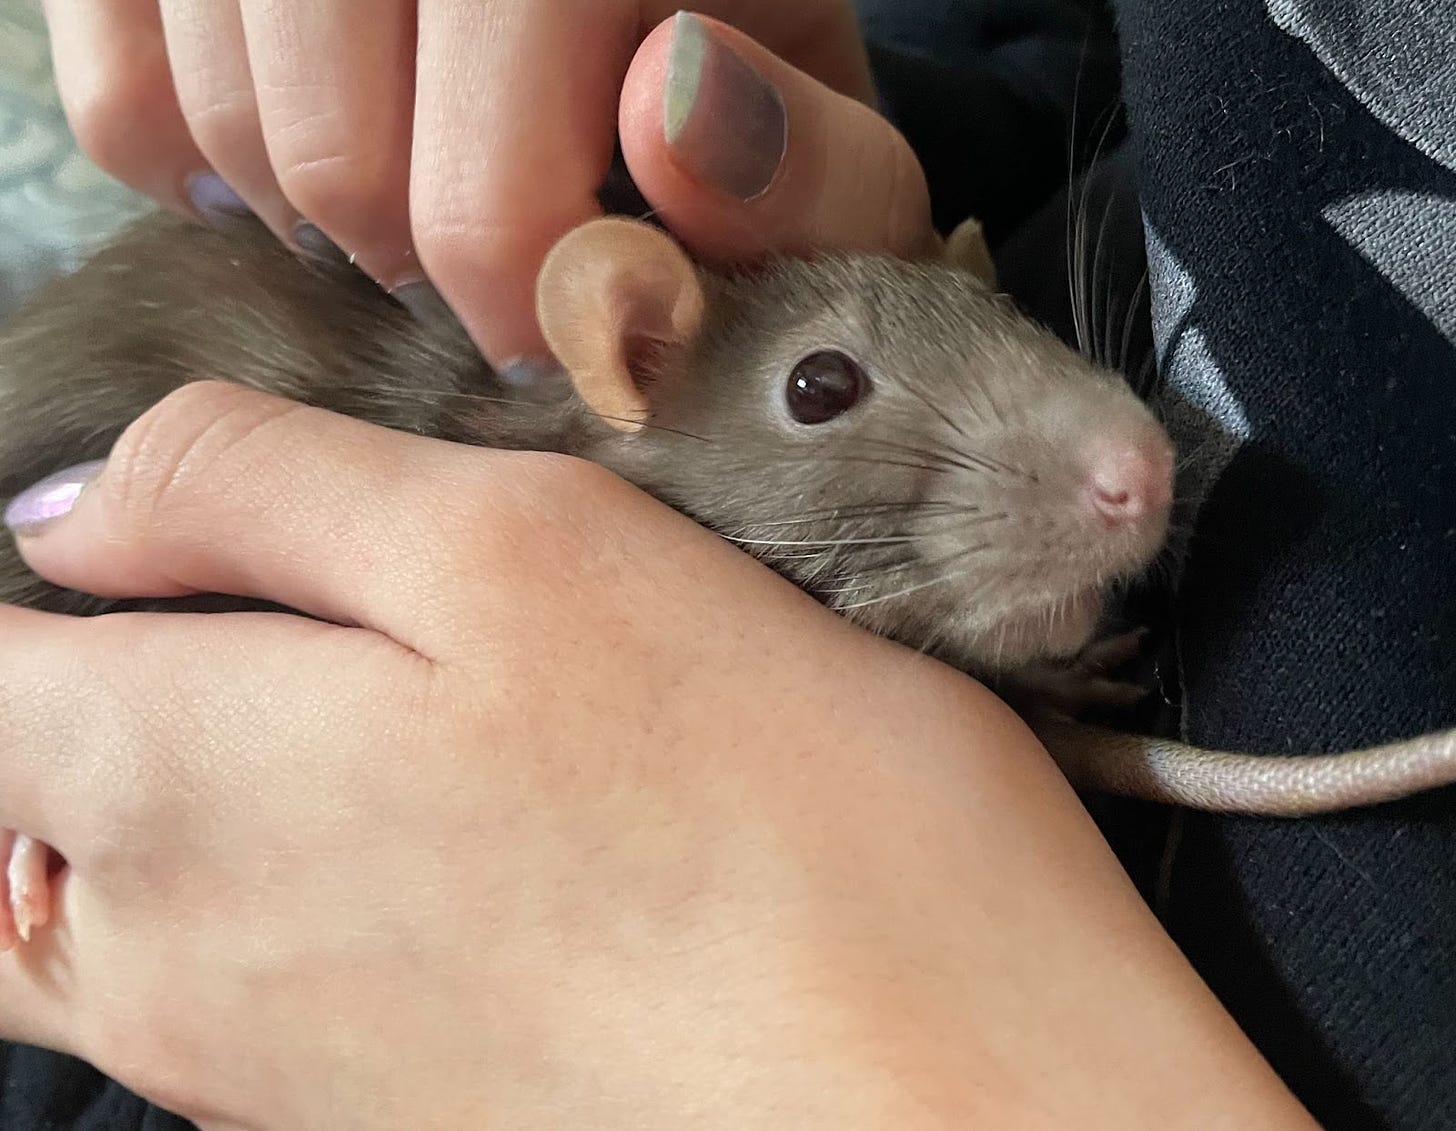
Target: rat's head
<point>892,436</point>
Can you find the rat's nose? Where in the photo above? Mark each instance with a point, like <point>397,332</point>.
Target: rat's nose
<point>1127,482</point>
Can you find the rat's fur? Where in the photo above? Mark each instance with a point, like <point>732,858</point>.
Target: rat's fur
<point>942,510</point>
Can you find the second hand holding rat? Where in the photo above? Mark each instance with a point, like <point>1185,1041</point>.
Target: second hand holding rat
<point>891,436</point>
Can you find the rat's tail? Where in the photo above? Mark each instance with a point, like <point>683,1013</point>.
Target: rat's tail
<point>1174,773</point>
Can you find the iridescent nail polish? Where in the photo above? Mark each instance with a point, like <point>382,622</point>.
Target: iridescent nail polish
<point>50,499</point>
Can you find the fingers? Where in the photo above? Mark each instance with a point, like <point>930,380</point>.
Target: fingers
<point>513,136</point>
<point>742,154</point>
<point>115,84</point>
<point>335,98</point>
<point>220,489</point>
<point>308,114</point>
<point>214,83</point>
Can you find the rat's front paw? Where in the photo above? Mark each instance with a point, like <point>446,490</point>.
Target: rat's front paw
<point>25,888</point>
<point>1086,682</point>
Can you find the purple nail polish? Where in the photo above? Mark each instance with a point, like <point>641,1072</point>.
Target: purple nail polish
<point>538,379</point>
<point>214,198</point>
<point>422,300</point>
<point>312,241</point>
<point>51,498</point>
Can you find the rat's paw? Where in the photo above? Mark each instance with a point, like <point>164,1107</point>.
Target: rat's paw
<point>25,892</point>
<point>1074,692</point>
<point>1104,656</point>
<point>1085,683</point>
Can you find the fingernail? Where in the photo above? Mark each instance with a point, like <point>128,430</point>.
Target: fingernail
<point>720,116</point>
<point>536,378</point>
<point>50,499</point>
<point>421,299</point>
<point>214,198</point>
<point>312,241</point>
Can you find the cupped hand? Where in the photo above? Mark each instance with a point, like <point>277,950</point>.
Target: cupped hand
<point>560,812</point>
<point>457,141</point>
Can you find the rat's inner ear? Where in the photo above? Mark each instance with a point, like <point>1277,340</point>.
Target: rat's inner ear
<point>966,250</point>
<point>619,304</point>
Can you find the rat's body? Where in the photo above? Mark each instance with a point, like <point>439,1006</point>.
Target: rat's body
<point>978,497</point>
<point>853,509</point>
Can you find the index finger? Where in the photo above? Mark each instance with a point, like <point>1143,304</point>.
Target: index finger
<point>515,122</point>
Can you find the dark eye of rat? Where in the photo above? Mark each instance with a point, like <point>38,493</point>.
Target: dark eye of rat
<point>823,386</point>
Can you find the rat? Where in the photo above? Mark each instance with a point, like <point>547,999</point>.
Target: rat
<point>892,436</point>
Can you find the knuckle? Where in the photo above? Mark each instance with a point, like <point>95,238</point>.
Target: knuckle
<point>341,184</point>
<point>178,442</point>
<point>225,124</point>
<point>457,240</point>
<point>109,108</point>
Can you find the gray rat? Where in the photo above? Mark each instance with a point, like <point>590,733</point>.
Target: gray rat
<point>894,437</point>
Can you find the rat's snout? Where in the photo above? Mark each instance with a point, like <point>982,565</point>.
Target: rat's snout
<point>1126,482</point>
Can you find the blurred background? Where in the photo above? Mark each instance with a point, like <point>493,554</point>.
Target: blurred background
<point>54,204</point>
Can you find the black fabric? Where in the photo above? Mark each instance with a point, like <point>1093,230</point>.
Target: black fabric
<point>41,1091</point>
<point>996,97</point>
<point>1317,609</point>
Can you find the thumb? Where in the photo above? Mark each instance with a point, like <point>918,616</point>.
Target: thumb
<point>742,155</point>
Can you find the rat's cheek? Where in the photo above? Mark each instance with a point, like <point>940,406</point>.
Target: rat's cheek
<point>1053,632</point>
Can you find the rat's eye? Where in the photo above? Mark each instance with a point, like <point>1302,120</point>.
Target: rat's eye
<point>824,385</point>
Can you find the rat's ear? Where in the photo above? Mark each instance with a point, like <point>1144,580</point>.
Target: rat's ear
<point>616,299</point>
<point>966,250</point>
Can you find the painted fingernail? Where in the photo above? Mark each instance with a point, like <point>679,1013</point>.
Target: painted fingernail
<point>540,379</point>
<point>214,198</point>
<point>50,499</point>
<point>421,299</point>
<point>720,116</point>
<point>312,242</point>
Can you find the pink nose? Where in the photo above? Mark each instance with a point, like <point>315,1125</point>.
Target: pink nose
<point>1127,483</point>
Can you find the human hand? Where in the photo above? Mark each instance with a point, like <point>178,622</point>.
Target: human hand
<point>565,814</point>
<point>459,141</point>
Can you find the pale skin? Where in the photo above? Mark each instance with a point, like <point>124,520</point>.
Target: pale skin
<point>452,865</point>
<point>565,813</point>
<point>459,140</point>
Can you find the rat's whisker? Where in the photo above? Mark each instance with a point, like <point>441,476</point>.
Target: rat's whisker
<point>867,510</point>
<point>953,425</point>
<point>1099,350</point>
<point>1130,319</point>
<point>940,578</point>
<point>884,541</point>
<point>881,462</point>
